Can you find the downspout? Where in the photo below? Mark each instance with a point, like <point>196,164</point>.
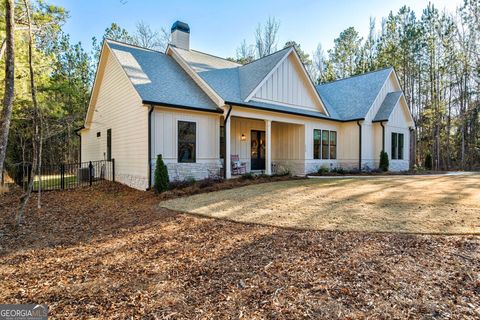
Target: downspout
<point>80,146</point>
<point>359,146</point>
<point>150,111</point>
<point>383,136</point>
<point>225,135</point>
<point>412,148</point>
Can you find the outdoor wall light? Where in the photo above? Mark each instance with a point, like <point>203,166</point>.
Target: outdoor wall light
<point>243,138</point>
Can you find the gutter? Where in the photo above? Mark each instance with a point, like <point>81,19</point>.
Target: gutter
<point>359,146</point>
<point>225,135</point>
<point>178,106</point>
<point>150,111</point>
<point>291,112</point>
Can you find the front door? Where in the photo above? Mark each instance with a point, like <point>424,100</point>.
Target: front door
<point>257,150</point>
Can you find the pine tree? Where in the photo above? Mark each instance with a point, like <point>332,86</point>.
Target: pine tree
<point>384,164</point>
<point>161,180</point>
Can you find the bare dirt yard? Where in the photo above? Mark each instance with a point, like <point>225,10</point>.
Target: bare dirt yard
<point>111,253</point>
<point>448,204</point>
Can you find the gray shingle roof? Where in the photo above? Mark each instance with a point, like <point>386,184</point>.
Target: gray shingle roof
<point>220,74</point>
<point>351,98</point>
<point>232,81</point>
<point>388,104</point>
<point>158,78</point>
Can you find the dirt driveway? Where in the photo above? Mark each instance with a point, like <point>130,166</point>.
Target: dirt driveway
<point>412,204</point>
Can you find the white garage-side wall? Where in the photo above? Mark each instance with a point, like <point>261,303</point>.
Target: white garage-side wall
<point>372,132</point>
<point>398,122</point>
<point>165,142</point>
<point>118,107</point>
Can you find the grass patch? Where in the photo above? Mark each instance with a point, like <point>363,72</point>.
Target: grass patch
<point>446,204</point>
<point>54,182</point>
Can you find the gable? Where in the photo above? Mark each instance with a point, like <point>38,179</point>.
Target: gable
<point>288,84</point>
<point>401,116</point>
<point>108,78</point>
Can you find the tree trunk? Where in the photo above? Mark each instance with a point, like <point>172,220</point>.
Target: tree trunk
<point>37,123</point>
<point>9,81</point>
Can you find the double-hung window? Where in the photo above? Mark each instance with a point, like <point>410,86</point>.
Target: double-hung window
<point>187,141</point>
<point>324,144</point>
<point>397,145</point>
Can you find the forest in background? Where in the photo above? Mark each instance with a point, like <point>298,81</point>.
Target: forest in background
<point>435,55</point>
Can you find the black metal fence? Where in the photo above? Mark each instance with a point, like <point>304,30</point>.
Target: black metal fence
<point>63,176</point>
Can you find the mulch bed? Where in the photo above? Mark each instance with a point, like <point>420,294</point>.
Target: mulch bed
<point>204,186</point>
<point>109,252</point>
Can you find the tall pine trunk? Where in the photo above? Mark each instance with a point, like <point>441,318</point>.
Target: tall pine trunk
<point>9,82</point>
<point>37,139</point>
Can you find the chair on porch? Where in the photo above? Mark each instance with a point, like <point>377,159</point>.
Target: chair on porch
<point>238,167</point>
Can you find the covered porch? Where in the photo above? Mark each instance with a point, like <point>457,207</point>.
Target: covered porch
<point>262,145</point>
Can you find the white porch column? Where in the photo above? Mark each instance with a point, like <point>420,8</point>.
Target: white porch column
<point>228,166</point>
<point>268,147</point>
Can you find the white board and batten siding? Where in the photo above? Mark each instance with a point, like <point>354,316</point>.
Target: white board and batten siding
<point>288,85</point>
<point>118,107</point>
<point>398,122</point>
<point>372,132</point>
<point>165,142</point>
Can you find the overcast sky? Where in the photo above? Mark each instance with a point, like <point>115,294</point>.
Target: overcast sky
<point>218,27</point>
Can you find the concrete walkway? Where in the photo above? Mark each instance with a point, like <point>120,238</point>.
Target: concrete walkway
<point>449,173</point>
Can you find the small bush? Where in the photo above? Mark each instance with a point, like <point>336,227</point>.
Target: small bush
<point>323,170</point>
<point>428,161</point>
<point>190,180</point>
<point>383,161</point>
<point>248,176</point>
<point>351,171</point>
<point>339,170</point>
<point>161,180</point>
<point>209,182</point>
<point>282,172</point>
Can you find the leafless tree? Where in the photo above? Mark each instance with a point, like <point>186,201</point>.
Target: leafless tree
<point>245,52</point>
<point>9,81</point>
<point>146,37</point>
<point>319,63</point>
<point>266,37</point>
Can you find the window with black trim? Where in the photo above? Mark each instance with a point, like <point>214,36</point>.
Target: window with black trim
<point>187,141</point>
<point>397,145</point>
<point>333,144</point>
<point>324,144</point>
<point>317,134</point>
<point>400,146</point>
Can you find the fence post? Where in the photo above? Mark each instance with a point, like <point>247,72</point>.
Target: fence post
<point>62,176</point>
<point>113,170</point>
<point>90,171</point>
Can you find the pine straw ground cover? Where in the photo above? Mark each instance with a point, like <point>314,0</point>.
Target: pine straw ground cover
<point>110,253</point>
